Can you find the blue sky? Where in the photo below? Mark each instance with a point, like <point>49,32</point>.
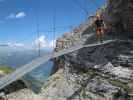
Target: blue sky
<point>18,18</point>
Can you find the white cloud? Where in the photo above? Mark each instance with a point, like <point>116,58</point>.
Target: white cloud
<point>18,45</point>
<point>42,41</point>
<point>20,15</point>
<point>17,15</point>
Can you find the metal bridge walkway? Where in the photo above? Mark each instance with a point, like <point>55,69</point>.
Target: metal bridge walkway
<point>20,72</point>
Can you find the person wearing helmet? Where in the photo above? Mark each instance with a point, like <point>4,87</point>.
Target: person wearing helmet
<point>99,24</point>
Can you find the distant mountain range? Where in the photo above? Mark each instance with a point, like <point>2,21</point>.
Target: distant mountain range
<point>16,57</point>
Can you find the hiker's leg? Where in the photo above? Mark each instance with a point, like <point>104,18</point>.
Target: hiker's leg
<point>102,33</point>
<point>100,37</point>
<point>98,34</point>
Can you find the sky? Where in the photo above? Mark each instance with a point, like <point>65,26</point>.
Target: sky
<point>20,19</point>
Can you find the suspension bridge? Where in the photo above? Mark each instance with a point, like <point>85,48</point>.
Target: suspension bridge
<point>20,72</point>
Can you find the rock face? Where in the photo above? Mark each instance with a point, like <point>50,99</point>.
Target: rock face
<point>121,17</point>
<point>110,52</point>
<point>109,67</point>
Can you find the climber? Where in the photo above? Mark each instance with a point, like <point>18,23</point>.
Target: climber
<point>99,27</point>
